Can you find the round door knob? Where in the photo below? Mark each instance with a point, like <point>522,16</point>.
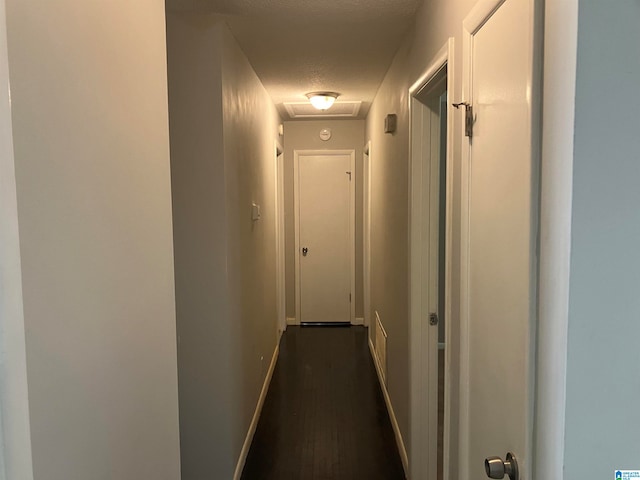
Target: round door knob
<point>495,467</point>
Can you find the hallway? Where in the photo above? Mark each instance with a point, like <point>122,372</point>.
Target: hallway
<point>148,238</point>
<point>324,416</point>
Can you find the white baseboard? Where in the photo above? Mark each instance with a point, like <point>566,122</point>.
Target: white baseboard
<point>256,416</point>
<point>358,321</point>
<point>292,321</point>
<point>394,422</point>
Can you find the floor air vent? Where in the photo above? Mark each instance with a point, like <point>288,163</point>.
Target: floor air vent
<point>381,347</point>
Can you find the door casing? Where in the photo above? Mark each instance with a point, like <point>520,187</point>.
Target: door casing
<point>280,236</point>
<point>424,343</point>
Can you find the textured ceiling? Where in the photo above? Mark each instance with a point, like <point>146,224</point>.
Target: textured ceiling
<point>300,46</point>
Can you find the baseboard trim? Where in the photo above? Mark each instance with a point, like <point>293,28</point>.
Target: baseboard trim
<point>292,321</point>
<point>358,321</point>
<point>256,416</point>
<point>394,422</point>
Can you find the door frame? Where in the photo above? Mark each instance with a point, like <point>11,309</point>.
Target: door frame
<point>281,307</point>
<point>15,434</point>
<point>352,221</point>
<point>366,233</point>
<point>421,394</point>
<point>560,33</point>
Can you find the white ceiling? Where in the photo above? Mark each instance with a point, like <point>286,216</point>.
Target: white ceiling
<point>300,46</point>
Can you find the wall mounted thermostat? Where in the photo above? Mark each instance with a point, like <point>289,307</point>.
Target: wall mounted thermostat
<point>325,134</point>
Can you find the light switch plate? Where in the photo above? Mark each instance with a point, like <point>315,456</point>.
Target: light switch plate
<point>255,212</point>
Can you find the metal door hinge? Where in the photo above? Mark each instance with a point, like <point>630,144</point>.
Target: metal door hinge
<point>468,117</point>
<point>349,173</point>
<point>349,298</point>
<point>433,319</point>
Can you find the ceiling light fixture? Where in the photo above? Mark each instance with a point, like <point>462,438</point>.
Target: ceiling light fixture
<point>322,100</point>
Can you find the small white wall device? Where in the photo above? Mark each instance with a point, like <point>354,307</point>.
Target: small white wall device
<point>325,134</point>
<point>255,212</point>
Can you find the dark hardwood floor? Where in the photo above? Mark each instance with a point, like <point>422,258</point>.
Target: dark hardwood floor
<point>324,416</point>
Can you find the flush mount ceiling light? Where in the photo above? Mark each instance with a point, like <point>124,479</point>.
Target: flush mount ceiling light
<point>322,100</point>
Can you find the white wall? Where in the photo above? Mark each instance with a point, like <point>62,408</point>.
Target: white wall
<point>200,241</point>
<point>304,135</point>
<point>223,132</point>
<point>603,358</point>
<point>389,229</point>
<point>250,126</point>
<point>435,23</point>
<point>603,363</point>
<point>90,131</point>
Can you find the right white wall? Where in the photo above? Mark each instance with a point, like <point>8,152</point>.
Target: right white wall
<point>603,357</point>
<point>436,22</point>
<point>590,176</point>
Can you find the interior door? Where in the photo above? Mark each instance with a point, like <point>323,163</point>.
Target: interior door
<point>325,253</point>
<point>499,240</point>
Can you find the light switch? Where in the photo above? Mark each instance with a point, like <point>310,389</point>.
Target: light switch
<point>255,212</point>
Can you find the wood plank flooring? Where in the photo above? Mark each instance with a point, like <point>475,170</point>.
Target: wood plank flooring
<point>324,416</point>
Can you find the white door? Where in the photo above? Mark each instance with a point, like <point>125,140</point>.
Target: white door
<point>499,238</point>
<point>325,250</point>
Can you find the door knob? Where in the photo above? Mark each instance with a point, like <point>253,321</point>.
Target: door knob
<point>496,468</point>
<point>305,250</point>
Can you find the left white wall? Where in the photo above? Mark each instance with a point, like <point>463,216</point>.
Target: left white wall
<point>90,132</point>
<point>250,129</point>
<point>223,133</point>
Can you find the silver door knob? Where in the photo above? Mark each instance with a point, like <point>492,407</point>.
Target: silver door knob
<point>305,250</point>
<point>496,468</point>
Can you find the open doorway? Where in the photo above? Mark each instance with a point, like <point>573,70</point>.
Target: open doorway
<point>430,268</point>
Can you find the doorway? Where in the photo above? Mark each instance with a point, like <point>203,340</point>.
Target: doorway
<point>430,268</point>
<point>324,225</point>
